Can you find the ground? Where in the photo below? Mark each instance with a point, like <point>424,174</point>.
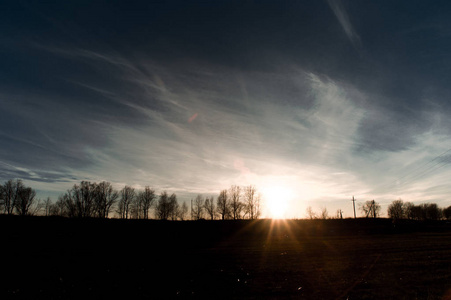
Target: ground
<point>56,258</point>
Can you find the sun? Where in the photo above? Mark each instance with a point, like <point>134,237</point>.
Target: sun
<point>276,200</point>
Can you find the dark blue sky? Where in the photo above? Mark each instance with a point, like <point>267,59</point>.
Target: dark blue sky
<point>325,99</point>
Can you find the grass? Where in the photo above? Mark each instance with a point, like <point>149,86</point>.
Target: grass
<point>53,258</point>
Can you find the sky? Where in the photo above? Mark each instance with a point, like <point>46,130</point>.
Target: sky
<point>317,100</point>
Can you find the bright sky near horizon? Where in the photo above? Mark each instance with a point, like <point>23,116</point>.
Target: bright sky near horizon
<point>318,101</point>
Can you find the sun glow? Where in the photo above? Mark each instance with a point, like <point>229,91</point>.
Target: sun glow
<point>276,200</point>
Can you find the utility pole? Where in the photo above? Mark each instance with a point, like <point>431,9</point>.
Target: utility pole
<point>374,209</point>
<point>353,205</point>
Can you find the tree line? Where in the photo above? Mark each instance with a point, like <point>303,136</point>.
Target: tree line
<point>399,209</point>
<point>232,204</point>
<point>102,200</point>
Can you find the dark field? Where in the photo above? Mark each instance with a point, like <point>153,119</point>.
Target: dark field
<point>52,258</point>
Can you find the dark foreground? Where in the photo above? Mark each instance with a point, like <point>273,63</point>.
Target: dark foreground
<point>53,258</point>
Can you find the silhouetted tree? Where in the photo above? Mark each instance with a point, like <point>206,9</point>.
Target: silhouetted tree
<point>174,207</point>
<point>324,213</point>
<point>371,209</point>
<point>252,202</point>
<point>47,205</point>
<point>236,206</point>
<point>69,199</point>
<point>198,207</point>
<point>69,208</point>
<point>79,201</point>
<point>135,207</point>
<point>447,213</point>
<point>147,198</point>
<point>2,201</point>
<point>430,211</point>
<point>183,211</point>
<point>59,208</point>
<point>409,210</point>
<point>310,213</point>
<point>26,203</point>
<point>396,210</point>
<point>222,205</point>
<point>86,205</point>
<point>127,196</point>
<point>162,209</point>
<point>87,200</point>
<point>210,208</point>
<point>9,194</point>
<point>105,198</point>
<point>142,203</point>
<point>417,212</point>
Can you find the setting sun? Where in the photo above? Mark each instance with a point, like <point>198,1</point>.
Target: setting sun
<point>276,199</point>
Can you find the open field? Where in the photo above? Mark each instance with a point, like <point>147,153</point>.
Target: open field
<point>52,258</point>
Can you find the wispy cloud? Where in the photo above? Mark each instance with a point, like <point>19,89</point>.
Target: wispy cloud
<point>196,128</point>
<point>343,18</point>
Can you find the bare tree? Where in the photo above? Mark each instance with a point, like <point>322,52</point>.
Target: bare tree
<point>59,207</point>
<point>87,200</point>
<point>9,194</point>
<point>251,202</point>
<point>183,211</point>
<point>222,205</point>
<point>47,206</point>
<point>236,206</point>
<point>310,213</point>
<point>87,190</point>
<point>72,200</point>
<point>2,201</point>
<point>79,201</point>
<point>198,207</point>
<point>430,211</point>
<point>210,207</point>
<point>68,203</point>
<point>417,212</point>
<point>105,198</point>
<point>26,203</point>
<point>127,196</point>
<point>409,210</point>
<point>396,210</point>
<point>135,208</point>
<point>142,203</point>
<point>174,207</point>
<point>148,199</point>
<point>324,213</point>
<point>371,209</point>
<point>447,213</point>
<point>162,209</point>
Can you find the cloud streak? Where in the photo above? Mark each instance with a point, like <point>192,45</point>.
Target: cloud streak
<point>191,131</point>
<point>285,103</point>
<point>343,18</point>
